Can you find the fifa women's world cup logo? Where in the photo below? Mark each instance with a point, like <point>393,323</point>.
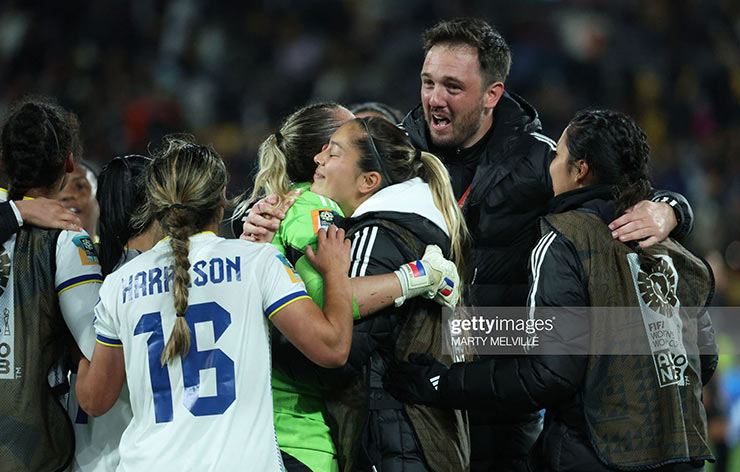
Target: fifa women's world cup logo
<point>656,283</point>
<point>658,287</point>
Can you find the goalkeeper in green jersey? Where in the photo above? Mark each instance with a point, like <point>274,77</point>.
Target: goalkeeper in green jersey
<point>286,170</point>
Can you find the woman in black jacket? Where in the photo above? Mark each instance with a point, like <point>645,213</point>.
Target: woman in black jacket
<point>638,411</point>
<point>401,201</point>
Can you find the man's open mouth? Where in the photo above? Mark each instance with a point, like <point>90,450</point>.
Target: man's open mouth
<point>440,122</point>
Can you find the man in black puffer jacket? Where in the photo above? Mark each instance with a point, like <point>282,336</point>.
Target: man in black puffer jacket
<point>491,142</point>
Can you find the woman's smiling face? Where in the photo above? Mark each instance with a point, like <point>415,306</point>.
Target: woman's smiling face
<point>337,173</point>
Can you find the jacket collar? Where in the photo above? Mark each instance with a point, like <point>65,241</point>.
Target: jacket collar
<point>597,199</point>
<point>512,114</point>
<point>413,196</point>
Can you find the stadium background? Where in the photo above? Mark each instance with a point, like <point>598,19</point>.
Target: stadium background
<point>227,71</point>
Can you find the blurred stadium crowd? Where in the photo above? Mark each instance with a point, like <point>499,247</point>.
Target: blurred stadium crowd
<point>228,71</point>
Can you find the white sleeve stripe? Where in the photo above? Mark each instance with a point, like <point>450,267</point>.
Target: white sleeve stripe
<point>535,252</point>
<point>368,251</point>
<point>666,199</point>
<point>360,239</point>
<point>353,249</point>
<point>538,256</point>
<point>544,139</point>
<point>541,257</point>
<point>355,241</point>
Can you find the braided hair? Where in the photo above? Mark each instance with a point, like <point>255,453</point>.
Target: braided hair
<point>617,153</point>
<point>185,185</point>
<point>37,137</point>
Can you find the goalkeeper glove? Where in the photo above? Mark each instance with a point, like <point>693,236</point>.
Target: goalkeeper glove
<point>432,277</point>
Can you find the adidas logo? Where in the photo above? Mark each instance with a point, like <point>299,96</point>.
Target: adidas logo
<point>435,382</point>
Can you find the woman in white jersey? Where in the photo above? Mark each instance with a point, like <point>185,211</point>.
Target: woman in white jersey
<point>192,315</point>
<point>120,195</point>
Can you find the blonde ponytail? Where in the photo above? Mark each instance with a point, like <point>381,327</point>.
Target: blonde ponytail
<point>272,177</point>
<point>286,157</point>
<point>434,173</point>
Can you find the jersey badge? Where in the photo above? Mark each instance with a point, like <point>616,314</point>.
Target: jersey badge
<point>294,277</point>
<point>86,248</point>
<point>321,218</point>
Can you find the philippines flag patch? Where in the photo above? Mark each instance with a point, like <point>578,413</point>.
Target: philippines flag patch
<point>417,268</point>
<point>446,291</point>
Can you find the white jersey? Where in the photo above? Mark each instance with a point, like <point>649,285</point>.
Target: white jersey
<point>97,439</point>
<point>212,409</point>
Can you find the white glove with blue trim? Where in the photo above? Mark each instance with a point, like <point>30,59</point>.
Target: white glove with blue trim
<point>432,277</point>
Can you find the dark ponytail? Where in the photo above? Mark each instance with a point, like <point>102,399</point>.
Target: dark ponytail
<point>121,195</point>
<point>617,153</point>
<point>36,139</point>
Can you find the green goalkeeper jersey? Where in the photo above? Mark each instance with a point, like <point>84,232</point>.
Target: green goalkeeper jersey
<point>309,213</point>
<point>299,408</point>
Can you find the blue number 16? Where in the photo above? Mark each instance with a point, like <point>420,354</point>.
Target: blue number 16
<point>192,364</point>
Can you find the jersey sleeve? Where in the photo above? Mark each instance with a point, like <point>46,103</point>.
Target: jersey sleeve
<point>312,280</point>
<point>305,218</point>
<point>279,282</point>
<point>77,279</point>
<point>107,324</point>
